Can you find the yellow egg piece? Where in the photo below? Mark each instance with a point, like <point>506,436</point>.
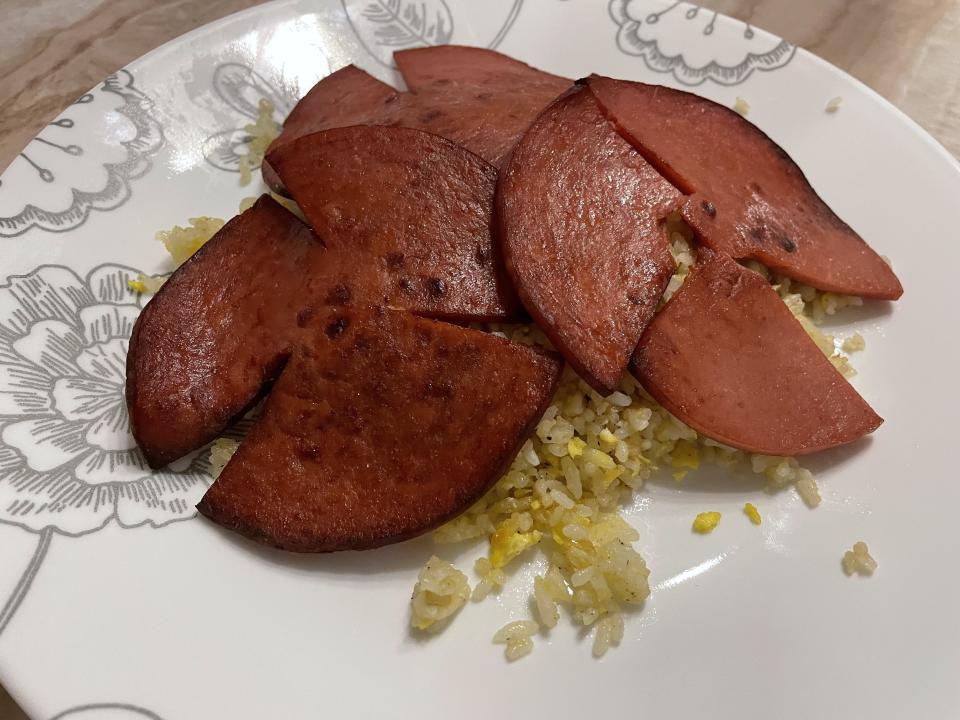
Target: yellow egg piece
<point>751,510</point>
<point>575,447</point>
<point>506,543</point>
<point>706,521</point>
<point>685,456</point>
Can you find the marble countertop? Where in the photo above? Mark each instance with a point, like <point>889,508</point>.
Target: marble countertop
<point>907,50</point>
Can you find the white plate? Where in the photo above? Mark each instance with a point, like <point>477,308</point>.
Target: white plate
<point>120,605</point>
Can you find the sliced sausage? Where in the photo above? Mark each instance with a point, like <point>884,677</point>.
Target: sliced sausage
<point>457,65</point>
<point>345,97</point>
<point>381,427</point>
<point>348,96</point>
<point>221,327</point>
<point>747,198</point>
<point>727,357</point>
<point>375,190</point>
<point>579,212</point>
<point>477,98</point>
<point>216,332</point>
<point>481,99</point>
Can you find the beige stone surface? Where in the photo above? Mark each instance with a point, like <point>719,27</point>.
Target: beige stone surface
<point>55,50</point>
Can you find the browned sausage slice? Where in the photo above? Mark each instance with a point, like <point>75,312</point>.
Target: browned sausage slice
<point>348,96</point>
<point>345,97</point>
<point>216,332</point>
<point>747,197</point>
<point>381,427</point>
<point>486,121</point>
<point>455,65</point>
<point>579,213</point>
<point>478,98</point>
<point>727,357</point>
<point>222,325</point>
<point>377,190</point>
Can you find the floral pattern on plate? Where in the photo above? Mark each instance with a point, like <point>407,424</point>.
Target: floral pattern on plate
<point>68,460</point>
<point>241,88</point>
<point>63,180</point>
<point>676,40</point>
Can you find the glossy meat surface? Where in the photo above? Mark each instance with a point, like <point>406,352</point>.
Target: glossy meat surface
<point>477,98</point>
<point>414,206</point>
<point>580,219</point>
<point>747,198</point>
<point>216,332</point>
<point>728,358</point>
<point>456,65</point>
<point>348,96</point>
<point>382,426</point>
<point>219,329</point>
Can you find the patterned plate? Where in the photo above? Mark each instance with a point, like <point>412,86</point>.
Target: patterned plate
<point>118,603</point>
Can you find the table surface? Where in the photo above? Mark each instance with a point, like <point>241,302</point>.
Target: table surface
<point>907,50</point>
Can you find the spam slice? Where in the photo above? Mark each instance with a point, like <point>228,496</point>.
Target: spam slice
<point>348,96</point>
<point>747,197</point>
<point>382,426</point>
<point>457,65</point>
<point>478,98</point>
<point>727,357</point>
<point>579,212</point>
<point>417,203</point>
<point>216,332</point>
<point>221,327</point>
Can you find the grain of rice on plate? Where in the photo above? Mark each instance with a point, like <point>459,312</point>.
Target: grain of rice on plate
<point>563,493</point>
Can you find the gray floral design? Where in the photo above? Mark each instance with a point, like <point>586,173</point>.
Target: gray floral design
<point>387,25</point>
<point>639,33</point>
<point>68,462</point>
<point>56,169</point>
<point>240,88</point>
<point>67,459</point>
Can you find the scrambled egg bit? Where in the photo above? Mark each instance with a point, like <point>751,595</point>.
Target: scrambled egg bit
<point>685,457</point>
<point>507,542</point>
<point>706,521</point>
<point>751,510</point>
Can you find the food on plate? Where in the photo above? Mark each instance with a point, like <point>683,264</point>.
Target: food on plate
<point>220,328</point>
<point>183,242</point>
<point>481,99</point>
<point>609,633</point>
<point>215,333</point>
<point>478,98</point>
<point>460,66</point>
<point>415,205</point>
<point>346,97</point>
<point>260,135</point>
<point>440,592</point>
<point>854,343</point>
<point>381,426</point>
<point>221,450</point>
<point>518,638</point>
<point>746,197</point>
<point>858,560</point>
<point>833,104</point>
<point>619,214</point>
<point>727,358</point>
<point>706,522</point>
<point>589,271</point>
